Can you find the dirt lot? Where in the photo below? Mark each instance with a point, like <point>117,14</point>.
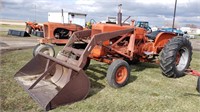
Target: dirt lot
<point>16,43</point>
<point>10,43</point>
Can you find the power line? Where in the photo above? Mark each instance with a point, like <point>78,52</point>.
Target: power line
<point>35,12</point>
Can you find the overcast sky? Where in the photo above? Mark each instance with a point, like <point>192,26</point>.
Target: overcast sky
<point>157,12</point>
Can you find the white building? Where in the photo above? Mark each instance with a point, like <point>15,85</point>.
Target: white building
<point>198,31</point>
<point>67,17</point>
<point>154,28</point>
<point>187,29</point>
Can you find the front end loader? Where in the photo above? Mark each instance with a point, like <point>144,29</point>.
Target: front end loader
<point>61,80</point>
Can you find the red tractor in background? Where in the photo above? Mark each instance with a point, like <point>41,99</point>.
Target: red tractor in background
<point>32,26</point>
<point>55,33</point>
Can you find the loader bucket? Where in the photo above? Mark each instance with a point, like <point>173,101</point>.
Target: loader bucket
<point>52,82</point>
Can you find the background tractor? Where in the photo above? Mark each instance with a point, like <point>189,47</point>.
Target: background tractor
<point>143,24</point>
<point>62,80</point>
<point>55,33</point>
<point>32,26</point>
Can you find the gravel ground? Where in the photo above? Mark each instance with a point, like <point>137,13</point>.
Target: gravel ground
<point>10,43</point>
<point>16,43</point>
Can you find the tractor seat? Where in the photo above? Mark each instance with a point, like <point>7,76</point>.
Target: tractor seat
<point>153,35</point>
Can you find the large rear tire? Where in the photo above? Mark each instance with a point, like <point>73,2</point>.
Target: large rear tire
<point>118,73</point>
<point>44,48</point>
<point>176,57</point>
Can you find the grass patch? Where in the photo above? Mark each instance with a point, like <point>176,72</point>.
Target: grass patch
<point>5,27</point>
<point>146,91</point>
<point>4,33</point>
<point>8,26</point>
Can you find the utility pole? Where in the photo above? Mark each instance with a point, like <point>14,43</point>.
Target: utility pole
<point>35,12</point>
<point>174,16</point>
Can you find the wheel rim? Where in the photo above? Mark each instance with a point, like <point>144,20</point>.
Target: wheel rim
<point>46,51</point>
<point>121,74</point>
<point>182,58</point>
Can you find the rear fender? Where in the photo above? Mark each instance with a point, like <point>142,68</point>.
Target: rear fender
<point>162,39</point>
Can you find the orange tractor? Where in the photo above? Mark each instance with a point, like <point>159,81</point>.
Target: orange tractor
<point>32,26</point>
<point>55,33</point>
<point>61,80</point>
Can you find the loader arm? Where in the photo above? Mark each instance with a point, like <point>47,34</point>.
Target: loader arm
<point>96,39</point>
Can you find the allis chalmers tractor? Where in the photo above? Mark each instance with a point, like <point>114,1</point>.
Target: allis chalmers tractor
<point>55,33</point>
<point>57,81</point>
<point>32,26</point>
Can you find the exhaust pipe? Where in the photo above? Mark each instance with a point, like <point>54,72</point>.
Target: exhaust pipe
<point>119,15</point>
<point>62,16</point>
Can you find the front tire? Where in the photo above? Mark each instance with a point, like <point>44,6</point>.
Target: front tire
<point>118,73</point>
<point>44,48</point>
<point>176,57</point>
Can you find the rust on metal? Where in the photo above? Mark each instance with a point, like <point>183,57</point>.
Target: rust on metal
<point>53,84</point>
